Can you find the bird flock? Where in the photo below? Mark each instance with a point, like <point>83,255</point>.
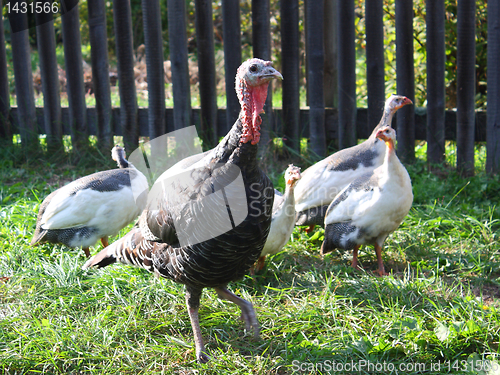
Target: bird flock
<point>360,195</point>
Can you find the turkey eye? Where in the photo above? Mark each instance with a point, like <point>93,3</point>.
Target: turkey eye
<point>253,68</point>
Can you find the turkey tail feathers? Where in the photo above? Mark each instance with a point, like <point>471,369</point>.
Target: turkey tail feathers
<point>131,249</point>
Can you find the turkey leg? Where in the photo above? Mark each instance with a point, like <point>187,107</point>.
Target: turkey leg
<point>193,304</point>
<point>247,311</point>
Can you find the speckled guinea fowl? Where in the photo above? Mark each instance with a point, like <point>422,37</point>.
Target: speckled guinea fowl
<point>283,219</point>
<point>371,207</point>
<point>155,243</point>
<point>322,181</point>
<point>92,207</point>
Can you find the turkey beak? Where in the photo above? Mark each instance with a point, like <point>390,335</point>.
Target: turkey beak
<point>271,73</point>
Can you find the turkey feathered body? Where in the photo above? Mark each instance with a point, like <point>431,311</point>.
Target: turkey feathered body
<point>218,260</point>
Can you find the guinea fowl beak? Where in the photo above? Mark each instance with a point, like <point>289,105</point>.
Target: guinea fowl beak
<point>404,102</point>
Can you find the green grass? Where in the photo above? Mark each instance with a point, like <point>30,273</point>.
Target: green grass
<point>437,313</point>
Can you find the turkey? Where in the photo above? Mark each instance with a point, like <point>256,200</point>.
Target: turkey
<point>93,207</point>
<point>283,219</point>
<point>322,181</point>
<point>371,207</point>
<point>171,238</point>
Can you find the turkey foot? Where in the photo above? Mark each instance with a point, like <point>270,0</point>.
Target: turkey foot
<point>247,310</point>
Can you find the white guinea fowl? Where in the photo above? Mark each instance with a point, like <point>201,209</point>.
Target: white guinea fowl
<point>92,207</point>
<point>371,207</point>
<point>283,220</point>
<point>322,181</point>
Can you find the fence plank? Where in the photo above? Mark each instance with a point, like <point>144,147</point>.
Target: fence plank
<point>231,30</point>
<point>291,72</point>
<point>347,74</point>
<point>466,59</point>
<point>179,63</point>
<point>5,128</point>
<point>493,124</point>
<point>436,55</point>
<point>74,77</point>
<point>330,20</point>
<point>46,42</point>
<point>24,80</point>
<point>405,80</point>
<point>122,19</point>
<point>261,39</point>
<point>375,75</point>
<point>206,72</point>
<point>154,60</point>
<point>100,70</point>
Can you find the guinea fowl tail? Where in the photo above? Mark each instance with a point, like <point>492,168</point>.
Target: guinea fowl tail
<point>131,249</point>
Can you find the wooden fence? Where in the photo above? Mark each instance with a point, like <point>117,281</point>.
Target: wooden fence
<point>330,75</point>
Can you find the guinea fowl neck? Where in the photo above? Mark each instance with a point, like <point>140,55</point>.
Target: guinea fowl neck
<point>386,120</point>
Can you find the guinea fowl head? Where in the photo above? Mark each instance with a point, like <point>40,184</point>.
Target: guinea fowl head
<point>388,135</point>
<point>292,175</point>
<point>252,80</point>
<point>118,155</point>
<point>394,102</point>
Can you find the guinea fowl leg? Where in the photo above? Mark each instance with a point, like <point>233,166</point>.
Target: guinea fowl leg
<point>247,311</point>
<point>381,269</point>
<point>310,228</point>
<point>193,304</point>
<point>354,263</point>
<point>87,252</point>
<point>104,241</point>
<point>259,265</point>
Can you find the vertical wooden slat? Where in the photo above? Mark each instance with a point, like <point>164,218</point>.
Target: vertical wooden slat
<point>466,59</point>
<point>290,71</point>
<point>231,30</point>
<point>122,19</point>
<point>493,119</point>
<point>154,60</point>
<point>261,39</point>
<point>405,79</point>
<point>24,79</point>
<point>100,71</point>
<point>46,42</point>
<point>179,63</point>
<point>330,20</point>
<point>206,72</point>
<point>347,74</point>
<point>375,75</point>
<point>5,128</point>
<point>74,78</point>
<point>315,68</point>
<point>435,17</point>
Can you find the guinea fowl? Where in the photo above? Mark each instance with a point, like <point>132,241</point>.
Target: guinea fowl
<point>322,181</point>
<point>371,207</point>
<point>283,219</point>
<point>92,207</point>
<point>157,245</point>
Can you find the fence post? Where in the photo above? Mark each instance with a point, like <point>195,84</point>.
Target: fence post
<point>405,80</point>
<point>100,71</point>
<point>261,38</point>
<point>154,61</point>
<point>291,72</point>
<point>435,17</point>
<point>74,77</point>
<point>24,81</point>
<point>375,74</point>
<point>330,20</point>
<point>466,59</point>
<point>179,63</point>
<point>231,30</point>
<point>347,74</point>
<point>122,19</point>
<point>493,119</point>
<point>206,72</point>
<point>5,128</point>
<point>46,41</point>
